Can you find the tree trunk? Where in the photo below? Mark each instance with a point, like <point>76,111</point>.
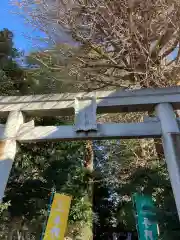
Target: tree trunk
<point>88,164</point>
<point>89,156</point>
<point>19,235</point>
<point>10,234</point>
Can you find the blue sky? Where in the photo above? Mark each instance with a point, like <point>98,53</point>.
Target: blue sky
<point>18,26</point>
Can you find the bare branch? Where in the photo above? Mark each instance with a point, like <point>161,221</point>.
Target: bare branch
<point>131,40</point>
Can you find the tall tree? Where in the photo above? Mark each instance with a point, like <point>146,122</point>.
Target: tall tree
<point>12,75</point>
<point>134,43</point>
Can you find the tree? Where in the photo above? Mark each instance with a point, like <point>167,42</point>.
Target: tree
<point>12,75</point>
<point>131,43</point>
<point>46,72</point>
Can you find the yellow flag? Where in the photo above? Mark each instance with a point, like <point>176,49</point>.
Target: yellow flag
<point>58,218</point>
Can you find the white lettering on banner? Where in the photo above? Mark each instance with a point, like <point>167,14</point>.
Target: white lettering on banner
<point>59,207</point>
<point>57,220</point>
<point>148,235</point>
<point>147,223</point>
<point>55,231</point>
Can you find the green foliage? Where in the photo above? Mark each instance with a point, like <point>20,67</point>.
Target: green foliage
<point>12,75</point>
<point>121,171</point>
<point>49,72</point>
<point>36,169</point>
<point>4,206</point>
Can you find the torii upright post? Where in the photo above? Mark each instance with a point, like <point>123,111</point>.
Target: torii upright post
<point>8,148</point>
<point>170,127</point>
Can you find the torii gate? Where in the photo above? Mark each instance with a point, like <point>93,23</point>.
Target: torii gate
<point>85,106</point>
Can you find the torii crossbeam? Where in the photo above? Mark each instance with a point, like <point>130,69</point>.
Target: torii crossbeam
<point>85,106</point>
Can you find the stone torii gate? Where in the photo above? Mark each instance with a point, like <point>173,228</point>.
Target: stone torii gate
<point>85,106</point>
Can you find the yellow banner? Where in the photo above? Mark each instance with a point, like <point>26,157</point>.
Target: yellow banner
<point>58,218</point>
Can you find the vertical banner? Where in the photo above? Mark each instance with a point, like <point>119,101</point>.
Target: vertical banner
<point>57,222</point>
<point>145,216</point>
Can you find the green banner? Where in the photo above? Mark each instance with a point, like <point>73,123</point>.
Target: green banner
<point>145,217</point>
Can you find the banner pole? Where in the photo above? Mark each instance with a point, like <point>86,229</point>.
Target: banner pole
<point>49,210</point>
